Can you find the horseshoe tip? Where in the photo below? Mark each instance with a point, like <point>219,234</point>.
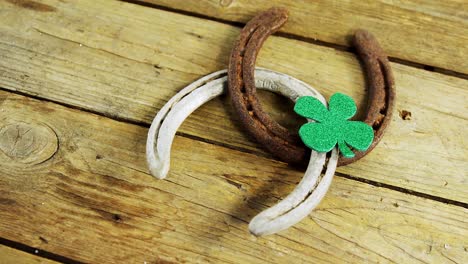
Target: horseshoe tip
<point>261,225</point>
<point>279,11</point>
<point>366,43</point>
<point>158,172</point>
<point>363,35</point>
<point>256,230</point>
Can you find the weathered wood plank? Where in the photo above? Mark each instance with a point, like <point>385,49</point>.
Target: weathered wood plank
<point>429,32</point>
<point>126,61</point>
<point>10,255</point>
<point>89,196</point>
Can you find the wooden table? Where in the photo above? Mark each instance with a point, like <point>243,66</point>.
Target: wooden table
<point>81,81</point>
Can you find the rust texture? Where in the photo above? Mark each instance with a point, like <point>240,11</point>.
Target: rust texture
<point>275,138</point>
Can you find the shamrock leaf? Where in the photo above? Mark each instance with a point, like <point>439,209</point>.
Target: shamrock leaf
<point>332,125</point>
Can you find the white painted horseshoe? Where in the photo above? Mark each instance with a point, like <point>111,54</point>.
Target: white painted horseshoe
<point>299,203</point>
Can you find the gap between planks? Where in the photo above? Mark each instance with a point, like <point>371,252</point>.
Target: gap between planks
<point>300,38</point>
<point>36,254</point>
<point>244,150</point>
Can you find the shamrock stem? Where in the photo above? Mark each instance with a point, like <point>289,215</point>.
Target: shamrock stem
<point>345,150</point>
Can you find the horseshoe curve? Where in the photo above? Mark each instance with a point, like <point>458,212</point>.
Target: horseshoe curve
<point>277,139</point>
<point>301,201</point>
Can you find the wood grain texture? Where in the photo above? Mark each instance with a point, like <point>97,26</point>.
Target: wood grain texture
<point>422,31</point>
<point>93,201</point>
<point>11,255</point>
<point>125,61</point>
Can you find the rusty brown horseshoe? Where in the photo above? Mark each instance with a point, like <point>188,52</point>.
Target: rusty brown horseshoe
<point>278,140</point>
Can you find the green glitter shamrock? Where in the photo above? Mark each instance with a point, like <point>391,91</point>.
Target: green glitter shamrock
<point>332,125</point>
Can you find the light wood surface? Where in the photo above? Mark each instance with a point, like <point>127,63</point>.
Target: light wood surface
<point>10,255</point>
<point>429,32</point>
<point>93,201</point>
<point>122,64</point>
<point>80,81</point>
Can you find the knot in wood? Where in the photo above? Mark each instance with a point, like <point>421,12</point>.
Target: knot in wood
<point>27,143</point>
<point>225,3</point>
